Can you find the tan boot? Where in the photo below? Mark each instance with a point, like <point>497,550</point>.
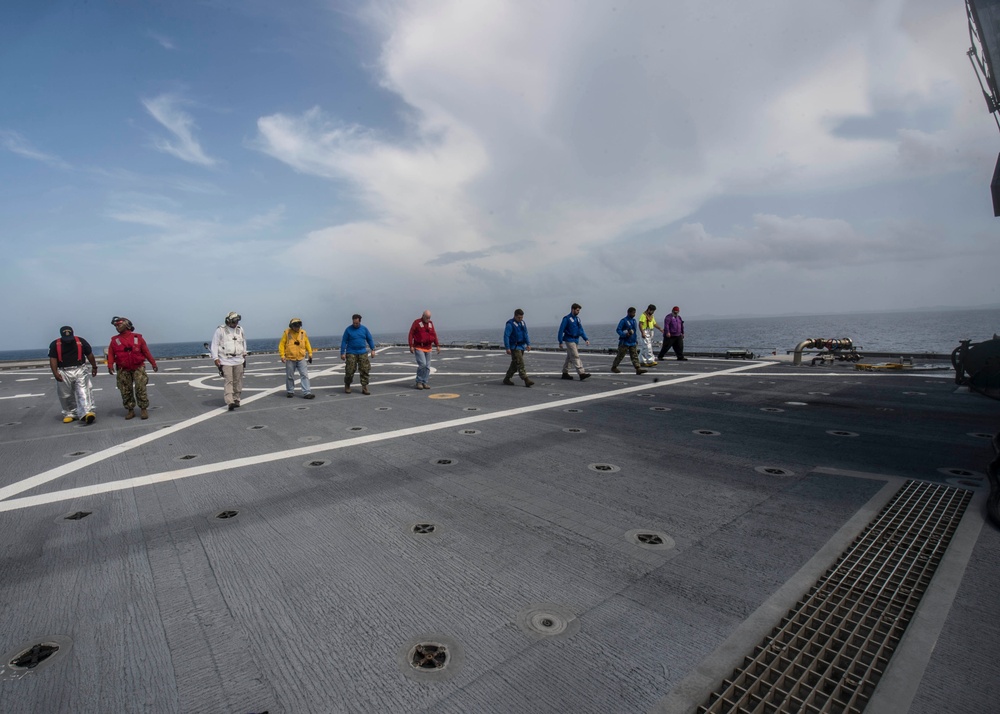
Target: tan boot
<point>143,414</point>
<point>130,414</point>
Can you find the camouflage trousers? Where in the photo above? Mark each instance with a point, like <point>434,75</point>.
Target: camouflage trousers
<point>132,384</point>
<point>633,354</point>
<point>357,363</point>
<point>516,365</point>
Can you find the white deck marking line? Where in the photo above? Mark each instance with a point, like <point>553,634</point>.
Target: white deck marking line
<point>27,379</point>
<point>72,493</point>
<point>21,396</point>
<point>97,457</point>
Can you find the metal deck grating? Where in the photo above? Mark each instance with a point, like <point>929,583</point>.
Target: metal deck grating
<point>829,652</point>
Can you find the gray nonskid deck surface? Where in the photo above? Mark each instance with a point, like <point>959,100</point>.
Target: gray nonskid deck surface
<point>306,600</point>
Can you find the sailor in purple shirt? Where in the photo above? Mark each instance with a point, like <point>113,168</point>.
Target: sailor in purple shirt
<point>673,335</point>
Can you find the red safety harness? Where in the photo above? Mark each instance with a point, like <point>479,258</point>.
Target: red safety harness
<point>79,350</point>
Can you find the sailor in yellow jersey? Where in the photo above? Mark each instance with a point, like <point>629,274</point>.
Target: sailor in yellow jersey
<point>296,352</point>
<point>647,323</point>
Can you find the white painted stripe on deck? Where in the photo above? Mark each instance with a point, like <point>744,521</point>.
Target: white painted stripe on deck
<point>22,396</point>
<point>97,457</point>
<point>165,476</point>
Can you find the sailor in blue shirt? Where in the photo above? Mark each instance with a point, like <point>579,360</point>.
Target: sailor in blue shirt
<point>356,347</point>
<point>570,332</point>
<point>628,336</point>
<point>516,342</point>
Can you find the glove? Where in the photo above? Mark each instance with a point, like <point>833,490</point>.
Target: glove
<point>310,360</point>
<point>221,373</point>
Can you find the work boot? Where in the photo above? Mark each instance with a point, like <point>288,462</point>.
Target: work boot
<point>89,417</point>
<point>130,414</point>
<point>347,389</point>
<point>682,359</point>
<point>364,390</point>
<point>309,396</point>
<point>565,375</point>
<point>616,370</point>
<point>143,414</point>
<point>584,376</point>
<point>527,382</point>
<point>506,380</point>
<point>231,408</point>
<point>289,395</point>
<point>640,371</point>
<point>69,419</point>
<point>236,403</point>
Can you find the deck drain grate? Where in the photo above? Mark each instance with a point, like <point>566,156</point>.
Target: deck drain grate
<point>31,658</point>
<point>604,468</point>
<point>226,515</point>
<point>423,528</point>
<point>707,432</point>
<point>256,427</point>
<point>468,432</point>
<point>659,409</point>
<point>771,409</point>
<point>649,539</point>
<point>830,651</point>
<point>79,515</point>
<point>574,430</point>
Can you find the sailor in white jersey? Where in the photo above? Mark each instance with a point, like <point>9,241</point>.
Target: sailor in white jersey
<point>229,350</point>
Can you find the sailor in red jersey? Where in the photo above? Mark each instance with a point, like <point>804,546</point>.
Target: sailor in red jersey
<point>422,338</point>
<point>129,351</point>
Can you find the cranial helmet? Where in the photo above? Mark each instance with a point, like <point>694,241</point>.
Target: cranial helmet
<point>128,323</point>
<point>295,321</point>
<point>233,318</point>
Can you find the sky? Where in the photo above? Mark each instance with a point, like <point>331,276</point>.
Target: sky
<point>172,161</point>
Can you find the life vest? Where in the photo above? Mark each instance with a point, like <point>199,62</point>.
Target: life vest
<point>79,350</point>
<point>128,357</point>
<point>232,342</point>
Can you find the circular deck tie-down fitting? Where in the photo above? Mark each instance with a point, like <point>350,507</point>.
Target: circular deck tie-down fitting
<point>34,657</point>
<point>432,657</point>
<point>650,539</point>
<point>548,620</point>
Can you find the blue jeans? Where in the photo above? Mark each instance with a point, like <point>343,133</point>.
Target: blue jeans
<point>423,365</point>
<point>290,366</point>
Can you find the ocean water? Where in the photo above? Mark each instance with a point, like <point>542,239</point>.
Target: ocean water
<point>933,331</point>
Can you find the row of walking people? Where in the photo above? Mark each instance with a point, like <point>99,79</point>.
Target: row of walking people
<point>128,352</point>
<point>73,364</point>
<point>516,341</point>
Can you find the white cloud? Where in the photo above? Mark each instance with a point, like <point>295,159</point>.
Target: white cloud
<point>166,110</point>
<point>567,124</point>
<point>163,41</point>
<point>15,143</point>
